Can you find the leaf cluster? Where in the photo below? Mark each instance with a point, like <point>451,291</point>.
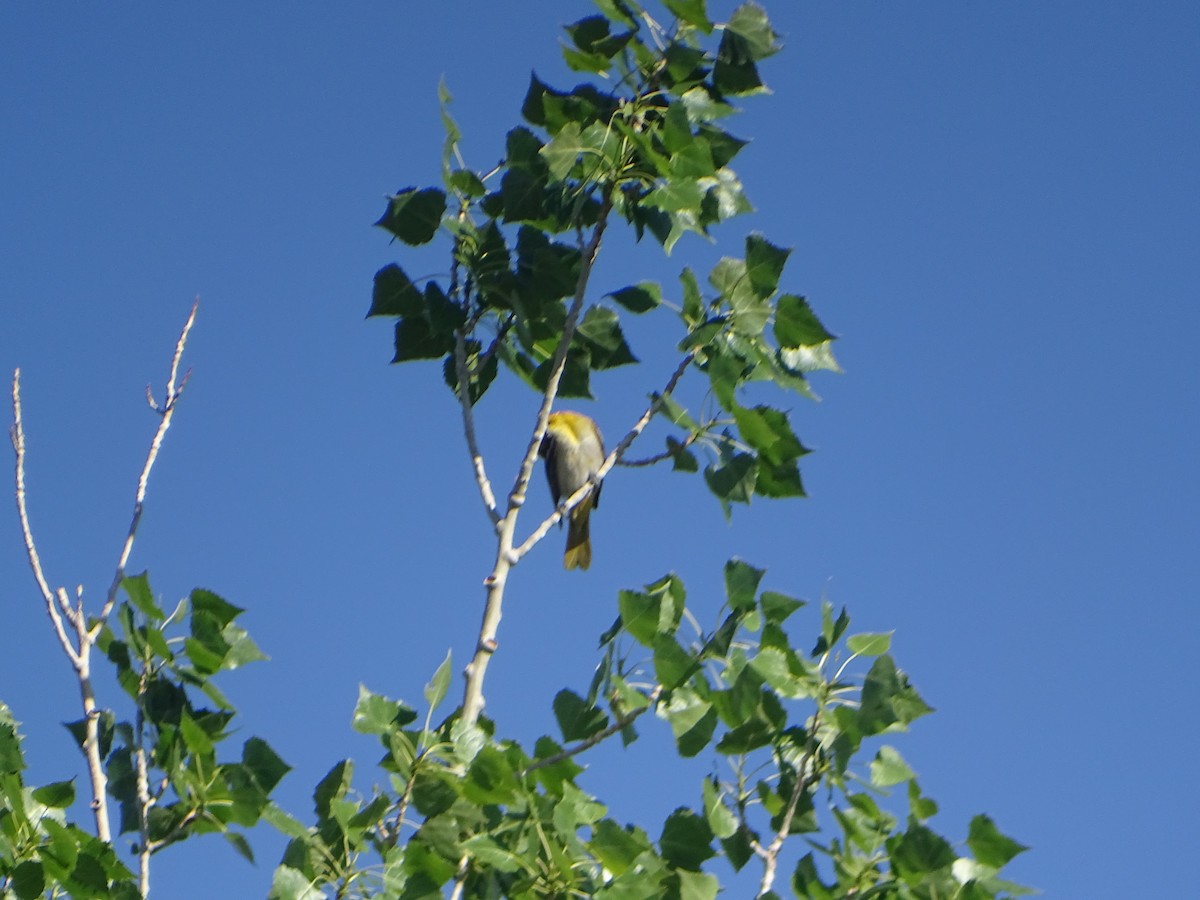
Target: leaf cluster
<point>786,730</point>
<point>162,764</point>
<point>644,142</point>
<point>39,848</point>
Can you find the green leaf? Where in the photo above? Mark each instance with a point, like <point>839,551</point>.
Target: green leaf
<point>769,433</point>
<point>332,787</point>
<point>691,11</point>
<point>209,603</point>
<point>576,719</point>
<point>523,194</point>
<point>615,847</point>
<point>721,819</point>
<point>686,840</point>
<point>683,459</point>
<point>724,374</point>
<point>735,73</point>
<point>414,215</point>
<point>554,776</point>
<point>672,664</point>
<point>816,358</point>
<point>563,151</point>
<point>291,884</point>
<point>723,145</point>
<point>921,808</point>
<point>693,721</point>
<point>777,607</point>
<point>806,881</point>
<point>888,699</point>
<point>870,644</point>
<point>12,761</point>
<point>600,331</point>
<point>831,630</point>
<point>919,852</point>
<point>764,264</point>
<point>240,844</point>
<point>435,691</point>
<point>394,294</point>
<point>693,303</point>
<point>639,298</point>
<point>242,649</point>
<point>467,183</point>
<point>741,583</point>
<point>697,886</point>
<point>640,614</point>
<point>889,768</point>
<point>749,22</point>
<point>28,880</point>
<point>732,482</point>
<point>376,714</point>
<point>490,778</point>
<point>58,795</point>
<point>990,846</point>
<point>434,791</point>
<point>137,587</point>
<point>267,767</point>
<point>677,195</point>
<point>796,325</point>
<point>415,339</point>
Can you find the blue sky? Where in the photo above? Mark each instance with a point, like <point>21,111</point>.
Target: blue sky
<point>996,206</point>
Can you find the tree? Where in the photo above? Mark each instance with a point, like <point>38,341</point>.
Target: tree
<point>468,810</point>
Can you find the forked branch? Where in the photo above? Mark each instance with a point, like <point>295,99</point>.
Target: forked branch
<point>77,644</point>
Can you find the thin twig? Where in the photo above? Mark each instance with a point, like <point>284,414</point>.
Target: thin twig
<point>611,460</point>
<point>166,411</point>
<point>608,731</point>
<point>468,417</point>
<point>659,457</point>
<point>770,853</point>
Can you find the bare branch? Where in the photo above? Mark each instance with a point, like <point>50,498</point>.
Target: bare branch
<point>35,562</point>
<point>505,557</point>
<point>166,411</point>
<point>468,416</point>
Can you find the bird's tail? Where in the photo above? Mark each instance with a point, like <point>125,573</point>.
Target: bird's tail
<point>579,542</point>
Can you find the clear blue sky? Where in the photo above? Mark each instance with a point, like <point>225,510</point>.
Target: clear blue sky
<point>997,207</point>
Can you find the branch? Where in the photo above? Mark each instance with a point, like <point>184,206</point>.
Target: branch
<point>58,604</point>
<point>619,724</point>
<point>18,441</point>
<point>468,416</point>
<point>505,557</point>
<point>611,460</point>
<point>770,853</point>
<point>144,799</point>
<point>166,411</point>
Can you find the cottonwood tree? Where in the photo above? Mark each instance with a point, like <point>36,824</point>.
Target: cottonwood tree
<point>808,798</point>
<point>472,812</point>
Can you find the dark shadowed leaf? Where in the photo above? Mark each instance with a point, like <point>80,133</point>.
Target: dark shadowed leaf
<point>686,840</point>
<point>414,215</point>
<point>394,294</point>
<point>576,719</point>
<point>639,298</point>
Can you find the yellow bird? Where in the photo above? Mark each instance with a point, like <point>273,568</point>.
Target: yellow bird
<point>573,449</point>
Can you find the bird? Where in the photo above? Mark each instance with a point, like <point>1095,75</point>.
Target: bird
<point>573,449</point>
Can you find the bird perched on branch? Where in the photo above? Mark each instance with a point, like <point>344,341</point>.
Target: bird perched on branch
<point>573,449</point>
